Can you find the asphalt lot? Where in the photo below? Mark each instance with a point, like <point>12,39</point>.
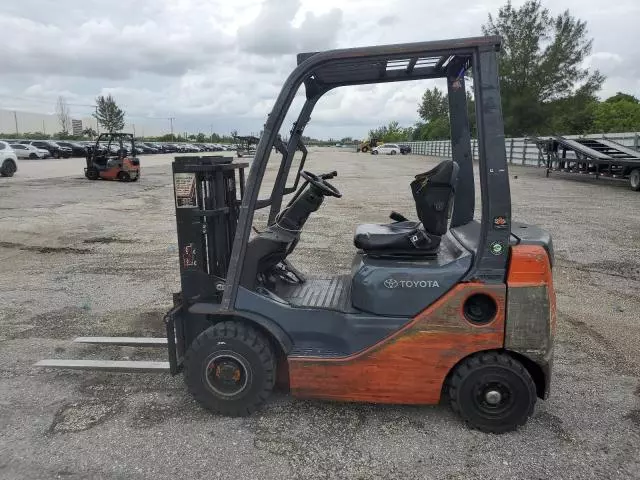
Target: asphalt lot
<point>99,258</point>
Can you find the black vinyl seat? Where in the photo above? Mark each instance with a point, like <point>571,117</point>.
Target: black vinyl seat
<point>396,238</point>
<point>433,192</point>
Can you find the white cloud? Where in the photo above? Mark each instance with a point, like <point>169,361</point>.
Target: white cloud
<point>273,32</point>
<point>219,63</point>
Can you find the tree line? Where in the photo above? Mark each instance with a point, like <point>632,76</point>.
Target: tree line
<point>545,87</point>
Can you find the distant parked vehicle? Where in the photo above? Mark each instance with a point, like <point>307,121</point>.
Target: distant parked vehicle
<point>77,149</point>
<point>8,160</point>
<point>170,148</point>
<point>405,149</point>
<point>29,151</point>
<point>55,150</point>
<point>150,147</point>
<point>386,149</point>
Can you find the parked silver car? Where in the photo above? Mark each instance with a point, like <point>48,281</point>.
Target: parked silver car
<point>29,151</point>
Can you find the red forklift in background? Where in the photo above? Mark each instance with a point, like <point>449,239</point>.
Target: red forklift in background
<point>113,157</point>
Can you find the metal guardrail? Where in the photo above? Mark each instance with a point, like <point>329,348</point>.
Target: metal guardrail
<point>520,151</point>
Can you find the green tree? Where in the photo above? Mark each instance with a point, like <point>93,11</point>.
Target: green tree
<point>90,133</point>
<point>622,97</point>
<point>620,113</point>
<point>434,105</point>
<point>201,138</point>
<point>109,115</point>
<point>541,62</point>
<point>392,132</point>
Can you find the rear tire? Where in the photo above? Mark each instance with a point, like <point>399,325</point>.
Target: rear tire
<point>8,168</point>
<point>492,392</point>
<point>393,152</point>
<point>230,369</point>
<point>92,173</point>
<point>634,179</point>
<point>124,177</point>
<point>365,149</point>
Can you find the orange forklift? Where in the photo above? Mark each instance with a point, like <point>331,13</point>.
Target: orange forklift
<point>113,157</point>
<point>447,306</point>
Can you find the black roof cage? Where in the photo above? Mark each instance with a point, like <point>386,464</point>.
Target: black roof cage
<point>450,59</point>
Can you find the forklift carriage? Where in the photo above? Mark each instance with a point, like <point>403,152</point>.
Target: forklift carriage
<point>478,332</point>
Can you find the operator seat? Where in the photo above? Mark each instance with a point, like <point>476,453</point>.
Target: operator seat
<point>433,193</point>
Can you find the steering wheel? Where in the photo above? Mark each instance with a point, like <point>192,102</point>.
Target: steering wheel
<point>321,183</point>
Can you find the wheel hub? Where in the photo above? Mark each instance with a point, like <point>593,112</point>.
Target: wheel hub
<point>227,374</point>
<point>493,397</point>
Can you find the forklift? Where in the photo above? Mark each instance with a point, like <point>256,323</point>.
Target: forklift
<point>442,307</point>
<point>246,145</point>
<point>113,157</point>
<point>367,145</point>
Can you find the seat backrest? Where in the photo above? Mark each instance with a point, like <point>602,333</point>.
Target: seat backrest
<point>433,192</point>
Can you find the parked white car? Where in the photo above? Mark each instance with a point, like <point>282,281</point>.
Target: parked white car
<point>386,149</point>
<point>8,160</point>
<point>29,151</point>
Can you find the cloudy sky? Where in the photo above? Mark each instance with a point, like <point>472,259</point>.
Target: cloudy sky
<point>219,64</point>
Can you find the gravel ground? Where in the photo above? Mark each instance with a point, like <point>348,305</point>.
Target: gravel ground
<point>83,258</point>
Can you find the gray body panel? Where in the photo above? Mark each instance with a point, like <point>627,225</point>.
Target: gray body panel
<point>327,332</point>
<point>391,286</point>
<point>528,330</point>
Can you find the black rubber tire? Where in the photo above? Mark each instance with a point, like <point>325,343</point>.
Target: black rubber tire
<point>501,371</point>
<point>33,156</point>
<point>92,173</point>
<point>8,168</point>
<point>124,176</point>
<point>374,152</point>
<point>365,149</point>
<point>634,180</point>
<point>393,152</point>
<point>56,155</point>
<point>137,177</point>
<point>238,339</point>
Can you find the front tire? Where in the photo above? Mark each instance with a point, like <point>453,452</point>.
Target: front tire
<point>124,176</point>
<point>492,392</point>
<point>374,152</point>
<point>230,369</point>
<point>365,149</point>
<point>33,156</point>
<point>92,173</point>
<point>393,152</point>
<point>8,168</point>
<point>634,179</point>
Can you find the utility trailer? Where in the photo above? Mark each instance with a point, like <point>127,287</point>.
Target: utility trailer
<point>600,157</point>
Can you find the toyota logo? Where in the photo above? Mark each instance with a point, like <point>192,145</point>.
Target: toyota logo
<point>390,283</point>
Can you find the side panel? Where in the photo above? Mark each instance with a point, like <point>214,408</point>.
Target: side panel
<point>410,366</point>
<point>110,174</point>
<point>531,307</point>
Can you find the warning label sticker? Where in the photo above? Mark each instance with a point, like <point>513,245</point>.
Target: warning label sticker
<point>185,187</point>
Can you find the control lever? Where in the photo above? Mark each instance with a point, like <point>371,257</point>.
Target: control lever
<point>329,176</point>
<point>398,217</point>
